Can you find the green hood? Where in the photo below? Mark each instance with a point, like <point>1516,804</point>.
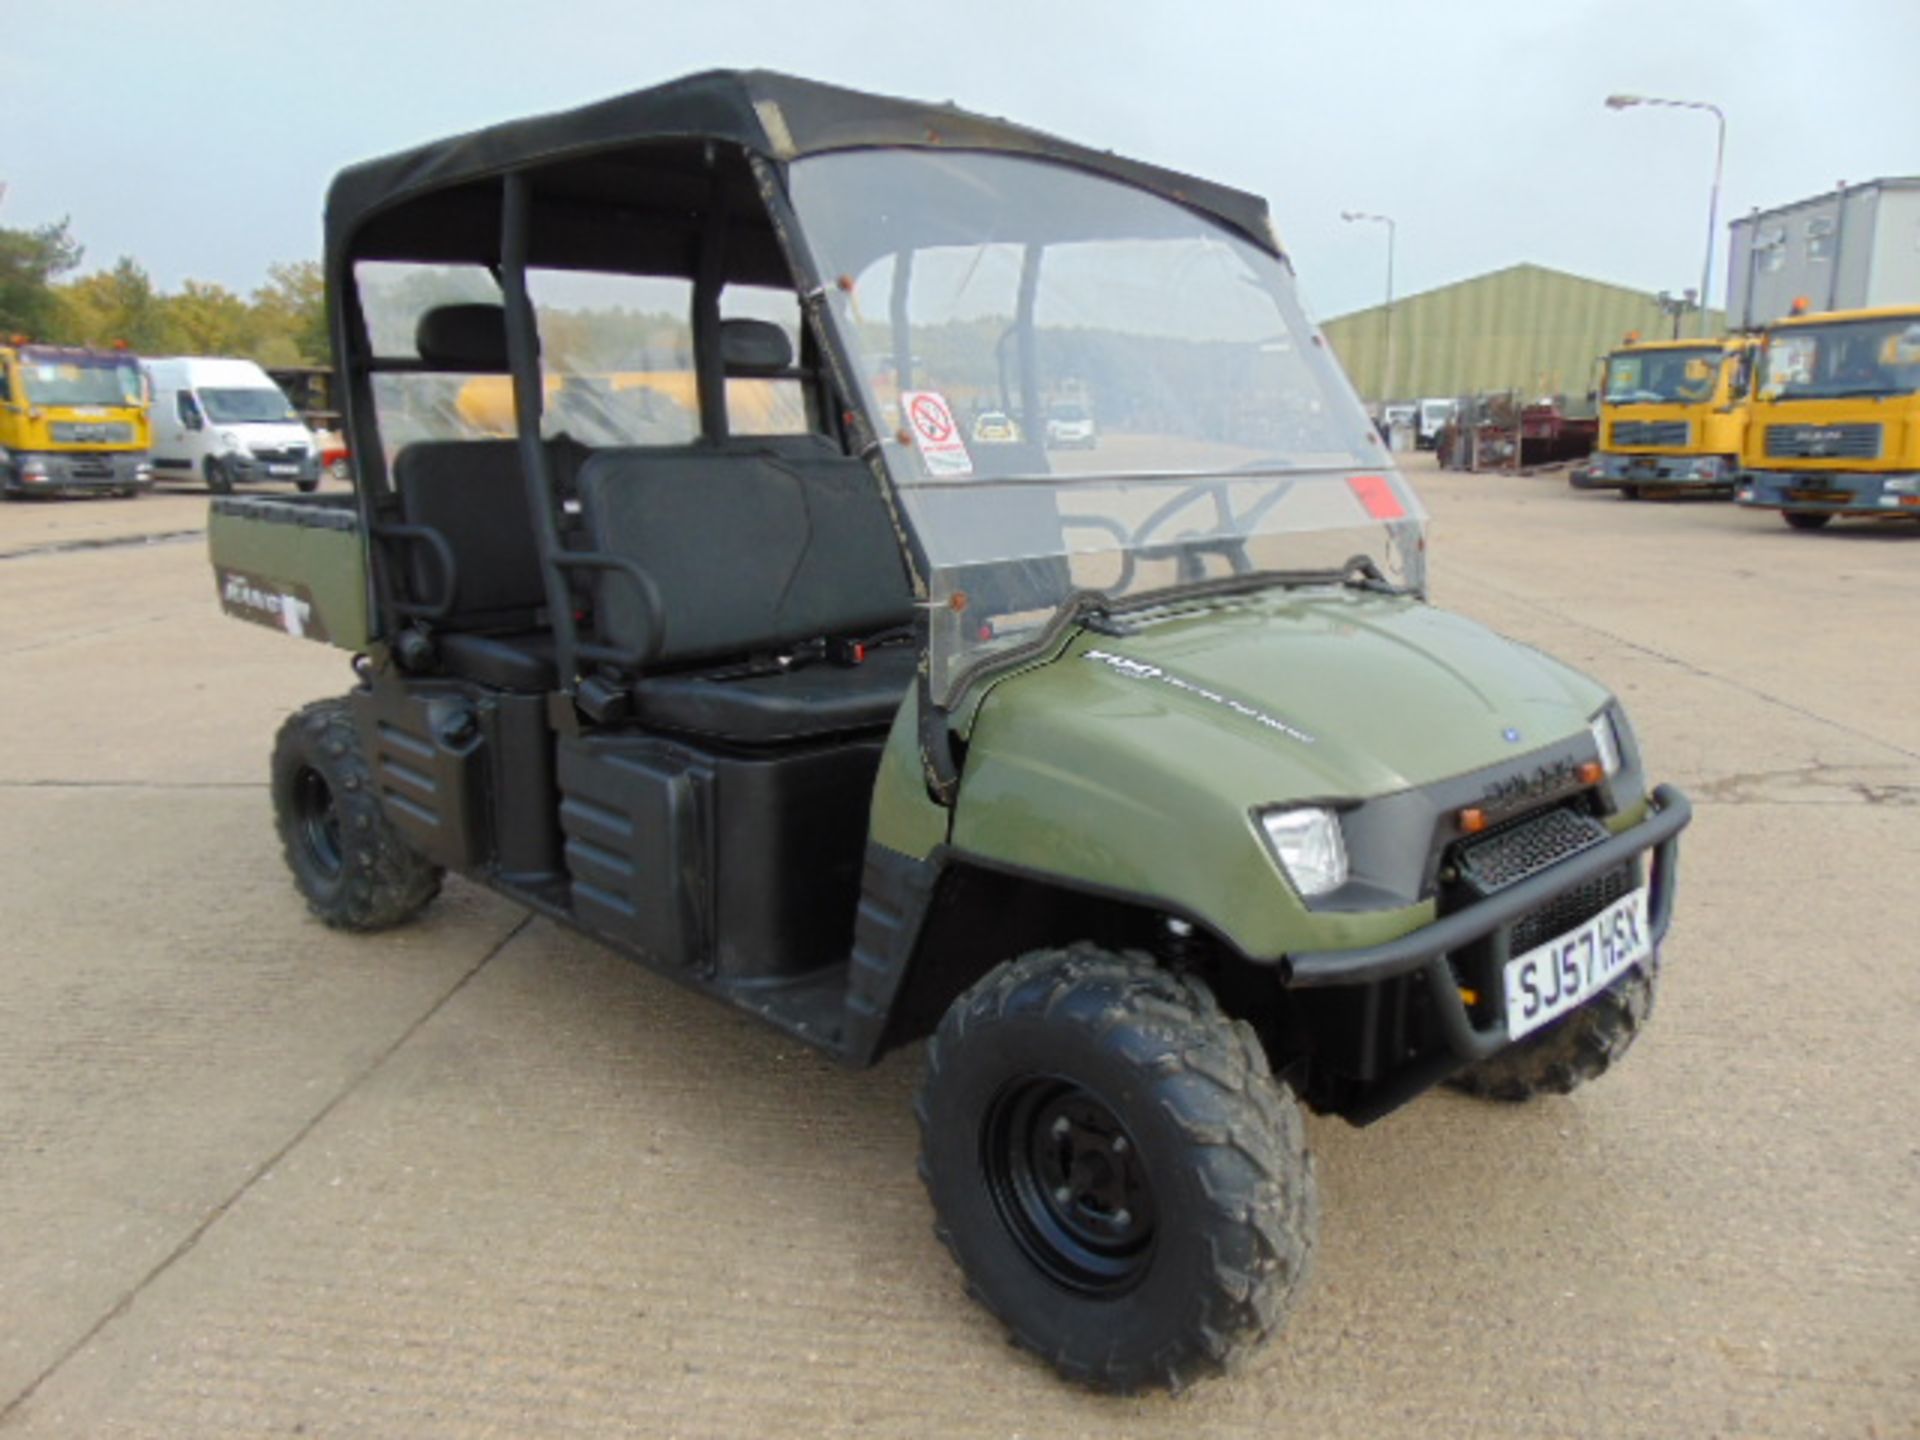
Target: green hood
<point>1369,693</point>
<point>1137,762</point>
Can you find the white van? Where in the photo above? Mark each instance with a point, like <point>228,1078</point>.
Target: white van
<point>225,422</point>
<point>1434,417</point>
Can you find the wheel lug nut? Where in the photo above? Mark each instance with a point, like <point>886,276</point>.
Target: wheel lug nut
<point>1063,1194</point>
<point>1119,1144</point>
<point>1061,1125</point>
<point>1123,1218</point>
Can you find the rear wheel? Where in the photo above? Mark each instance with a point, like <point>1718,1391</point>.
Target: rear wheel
<point>1629,492</point>
<point>1113,1166</point>
<point>356,871</point>
<point>219,482</point>
<point>1579,1047</point>
<point>1806,519</point>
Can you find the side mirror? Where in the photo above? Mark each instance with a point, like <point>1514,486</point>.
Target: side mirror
<point>1593,396</point>
<point>190,415</point>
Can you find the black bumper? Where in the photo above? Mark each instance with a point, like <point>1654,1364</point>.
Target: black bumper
<point>52,472</point>
<point>1426,950</point>
<point>251,469</point>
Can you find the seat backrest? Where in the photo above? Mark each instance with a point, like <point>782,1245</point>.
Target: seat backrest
<point>751,547</point>
<point>471,493</point>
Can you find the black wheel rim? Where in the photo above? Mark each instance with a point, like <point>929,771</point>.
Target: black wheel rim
<point>319,821</point>
<point>1070,1184</point>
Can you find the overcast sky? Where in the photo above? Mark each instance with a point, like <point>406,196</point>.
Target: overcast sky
<point>199,137</point>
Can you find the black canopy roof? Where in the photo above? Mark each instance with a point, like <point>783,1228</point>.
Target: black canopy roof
<point>777,116</point>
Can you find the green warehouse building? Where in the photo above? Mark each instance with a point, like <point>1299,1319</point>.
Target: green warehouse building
<point>1524,328</point>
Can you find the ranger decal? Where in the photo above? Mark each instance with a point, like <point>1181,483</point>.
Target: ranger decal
<point>1140,670</point>
<point>271,603</point>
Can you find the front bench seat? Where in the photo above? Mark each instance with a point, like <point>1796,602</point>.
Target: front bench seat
<point>809,703</point>
<point>754,547</point>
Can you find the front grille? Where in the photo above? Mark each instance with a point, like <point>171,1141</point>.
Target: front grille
<point>1649,432</point>
<point>281,454</point>
<point>1563,912</point>
<point>1515,852</point>
<point>91,432</point>
<point>1823,442</point>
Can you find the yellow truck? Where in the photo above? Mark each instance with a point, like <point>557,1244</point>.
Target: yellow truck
<point>70,420</point>
<point>1835,426</point>
<point>1673,417</point>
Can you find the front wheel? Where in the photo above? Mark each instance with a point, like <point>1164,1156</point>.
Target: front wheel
<point>1576,1048</point>
<point>356,871</point>
<point>1121,1179</point>
<point>1806,519</point>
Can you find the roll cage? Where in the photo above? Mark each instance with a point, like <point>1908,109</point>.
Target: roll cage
<point>686,180</point>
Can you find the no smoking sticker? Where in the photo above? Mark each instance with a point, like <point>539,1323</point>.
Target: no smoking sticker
<point>934,434</point>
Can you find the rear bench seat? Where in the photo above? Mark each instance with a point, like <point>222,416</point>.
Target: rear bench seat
<point>469,493</point>
<point>754,547</point>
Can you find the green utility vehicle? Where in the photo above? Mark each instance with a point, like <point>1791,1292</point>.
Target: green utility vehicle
<point>1141,778</point>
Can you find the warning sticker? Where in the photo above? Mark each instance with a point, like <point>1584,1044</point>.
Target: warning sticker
<point>934,433</point>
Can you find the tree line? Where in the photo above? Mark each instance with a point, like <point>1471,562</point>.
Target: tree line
<point>43,295</point>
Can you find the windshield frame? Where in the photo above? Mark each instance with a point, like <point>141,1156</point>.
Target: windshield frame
<point>204,392</point>
<point>125,396</point>
<point>1713,350</point>
<point>1817,332</point>
<point>889,449</point>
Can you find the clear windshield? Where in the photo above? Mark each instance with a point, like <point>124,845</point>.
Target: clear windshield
<point>1649,377</point>
<point>249,406</point>
<point>80,380</point>
<point>985,298</point>
<point>1858,357</point>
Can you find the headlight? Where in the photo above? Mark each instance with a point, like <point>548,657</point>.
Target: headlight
<point>230,440</point>
<point>1310,848</point>
<point>1607,742</point>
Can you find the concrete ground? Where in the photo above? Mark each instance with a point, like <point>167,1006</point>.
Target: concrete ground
<point>479,1177</point>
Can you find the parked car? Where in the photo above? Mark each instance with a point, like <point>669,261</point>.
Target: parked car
<point>226,423</point>
<point>1070,427</point>
<point>996,427</point>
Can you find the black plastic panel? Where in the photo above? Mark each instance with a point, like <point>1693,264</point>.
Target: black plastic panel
<point>428,751</point>
<point>792,831</point>
<point>636,816</point>
<point>525,808</point>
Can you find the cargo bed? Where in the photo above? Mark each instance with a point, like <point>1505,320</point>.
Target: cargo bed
<point>294,563</point>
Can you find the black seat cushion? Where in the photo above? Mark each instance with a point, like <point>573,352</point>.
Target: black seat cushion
<point>471,493</point>
<point>750,548</point>
<point>508,662</point>
<point>812,701</point>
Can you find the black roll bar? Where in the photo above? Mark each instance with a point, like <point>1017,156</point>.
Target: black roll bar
<point>523,358</point>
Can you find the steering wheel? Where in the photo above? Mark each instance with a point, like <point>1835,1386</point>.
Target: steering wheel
<point>1232,530</point>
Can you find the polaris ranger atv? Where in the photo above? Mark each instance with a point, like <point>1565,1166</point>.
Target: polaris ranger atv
<point>1141,781</point>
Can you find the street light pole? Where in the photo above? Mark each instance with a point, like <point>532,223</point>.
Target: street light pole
<point>1386,367</point>
<point>1622,102</point>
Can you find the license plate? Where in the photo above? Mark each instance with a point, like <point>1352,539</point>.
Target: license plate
<point>1551,979</point>
<point>283,469</point>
